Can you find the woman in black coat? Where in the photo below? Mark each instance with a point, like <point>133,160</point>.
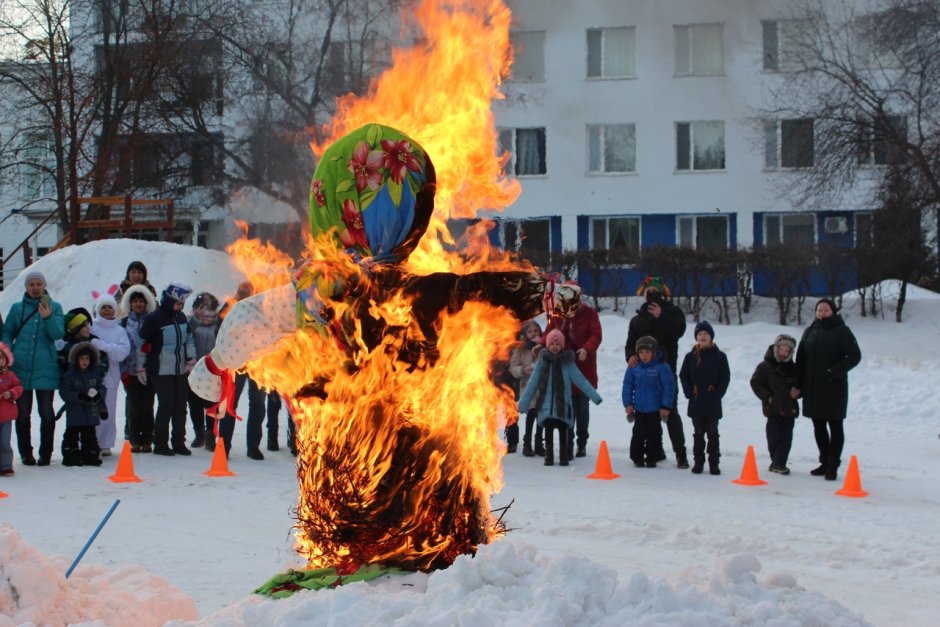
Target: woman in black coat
<point>826,353</point>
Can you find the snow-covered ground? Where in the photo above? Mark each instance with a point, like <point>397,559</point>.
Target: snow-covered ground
<point>654,547</point>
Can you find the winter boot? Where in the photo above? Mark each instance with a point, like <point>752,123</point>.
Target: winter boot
<point>819,471</point>
<point>539,447</point>
<point>91,457</point>
<point>682,461</point>
<point>272,441</point>
<point>698,467</point>
<point>512,438</point>
<point>72,457</point>
<point>210,443</point>
<point>832,470</point>
<point>713,467</point>
<point>200,439</point>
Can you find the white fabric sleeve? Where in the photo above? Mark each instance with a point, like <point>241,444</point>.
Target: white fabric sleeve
<point>250,330</point>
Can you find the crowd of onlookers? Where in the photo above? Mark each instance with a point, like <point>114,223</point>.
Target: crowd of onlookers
<point>132,338</point>
<point>555,375</point>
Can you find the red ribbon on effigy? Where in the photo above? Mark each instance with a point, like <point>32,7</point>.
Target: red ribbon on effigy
<point>228,391</point>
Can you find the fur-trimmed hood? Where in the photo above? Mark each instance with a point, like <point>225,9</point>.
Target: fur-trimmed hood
<point>83,348</point>
<point>125,308</point>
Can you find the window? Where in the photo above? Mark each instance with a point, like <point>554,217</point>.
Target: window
<point>165,160</point>
<point>619,235</point>
<point>871,48</point>
<point>530,238</point>
<point>879,141</point>
<point>788,143</point>
<point>38,167</point>
<point>704,232</point>
<point>611,52</point>
<point>526,148</point>
<point>611,148</point>
<point>699,50</point>
<point>700,145</point>
<point>792,229</point>
<point>788,44</point>
<point>528,48</point>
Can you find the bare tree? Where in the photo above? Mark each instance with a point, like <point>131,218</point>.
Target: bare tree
<point>866,78</point>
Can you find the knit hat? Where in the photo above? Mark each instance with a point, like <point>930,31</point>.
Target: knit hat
<point>555,335</point>
<point>177,292</point>
<point>704,325</point>
<point>136,265</point>
<point>654,282</point>
<point>6,353</point>
<point>75,319</point>
<point>34,274</point>
<point>828,301</point>
<point>647,342</point>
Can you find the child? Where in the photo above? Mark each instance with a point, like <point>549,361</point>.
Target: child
<point>204,326</point>
<point>521,365</point>
<point>773,381</point>
<point>136,303</point>
<point>82,389</point>
<point>648,391</point>
<point>705,377</point>
<point>550,389</point>
<point>10,390</point>
<point>111,340</point>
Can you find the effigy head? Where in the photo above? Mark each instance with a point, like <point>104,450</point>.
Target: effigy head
<point>374,189</point>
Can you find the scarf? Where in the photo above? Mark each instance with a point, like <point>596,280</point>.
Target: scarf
<point>552,369</point>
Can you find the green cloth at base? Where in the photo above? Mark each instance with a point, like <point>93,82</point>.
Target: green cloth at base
<point>283,585</point>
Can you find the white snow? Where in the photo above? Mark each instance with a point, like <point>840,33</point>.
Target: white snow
<point>654,547</point>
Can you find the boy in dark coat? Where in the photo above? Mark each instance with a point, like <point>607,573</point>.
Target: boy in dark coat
<point>659,318</point>
<point>648,393</point>
<point>82,389</point>
<point>705,377</point>
<point>773,382</point>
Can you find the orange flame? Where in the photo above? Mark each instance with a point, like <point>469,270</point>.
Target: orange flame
<point>398,457</point>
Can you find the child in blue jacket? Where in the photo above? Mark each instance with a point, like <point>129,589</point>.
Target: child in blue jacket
<point>550,387</point>
<point>648,390</point>
<point>82,388</point>
<point>705,377</point>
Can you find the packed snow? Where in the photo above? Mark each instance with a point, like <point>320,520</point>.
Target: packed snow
<point>653,547</point>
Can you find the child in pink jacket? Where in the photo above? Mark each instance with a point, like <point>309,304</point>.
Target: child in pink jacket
<point>10,390</point>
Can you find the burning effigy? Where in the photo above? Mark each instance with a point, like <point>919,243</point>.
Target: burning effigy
<point>386,371</point>
<point>381,339</point>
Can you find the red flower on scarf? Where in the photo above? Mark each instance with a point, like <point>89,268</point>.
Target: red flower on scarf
<point>398,158</point>
<point>355,232</point>
<point>365,166</point>
<point>316,189</point>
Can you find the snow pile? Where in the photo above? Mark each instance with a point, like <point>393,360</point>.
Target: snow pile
<point>33,589</point>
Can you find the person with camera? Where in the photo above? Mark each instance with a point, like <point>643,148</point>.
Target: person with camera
<point>659,318</point>
<point>31,329</point>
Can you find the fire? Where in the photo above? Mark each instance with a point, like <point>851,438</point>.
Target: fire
<point>398,456</point>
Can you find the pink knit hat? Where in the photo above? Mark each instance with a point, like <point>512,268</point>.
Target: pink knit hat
<point>555,334</point>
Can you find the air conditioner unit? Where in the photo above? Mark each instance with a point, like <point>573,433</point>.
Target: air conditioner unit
<point>837,225</point>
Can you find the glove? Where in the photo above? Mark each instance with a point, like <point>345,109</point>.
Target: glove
<point>103,414</point>
<point>92,392</point>
<point>631,417</point>
<point>142,376</point>
<point>85,398</point>
<point>664,418</point>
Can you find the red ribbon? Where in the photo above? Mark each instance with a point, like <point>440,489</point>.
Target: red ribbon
<point>228,392</point>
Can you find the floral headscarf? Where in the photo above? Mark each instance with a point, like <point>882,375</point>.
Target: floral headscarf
<point>375,187</point>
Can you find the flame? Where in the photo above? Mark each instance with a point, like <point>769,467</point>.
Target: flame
<point>398,456</point>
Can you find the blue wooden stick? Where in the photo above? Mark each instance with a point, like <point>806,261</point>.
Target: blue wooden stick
<point>92,538</point>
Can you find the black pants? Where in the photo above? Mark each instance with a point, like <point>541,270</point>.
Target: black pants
<point>779,439</point>
<point>563,438</point>
<point>172,392</point>
<point>260,403</point>
<point>24,406</point>
<point>202,423</point>
<point>674,425</point>
<point>705,427</point>
<point>830,446</point>
<point>582,416</point>
<point>80,443</point>
<point>138,408</point>
<point>530,419</point>
<point>647,441</point>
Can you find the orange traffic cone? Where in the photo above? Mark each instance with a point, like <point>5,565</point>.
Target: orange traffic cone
<point>3,495</point>
<point>853,482</point>
<point>749,471</point>
<point>602,469</point>
<point>124,473</point>
<point>219,467</point>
